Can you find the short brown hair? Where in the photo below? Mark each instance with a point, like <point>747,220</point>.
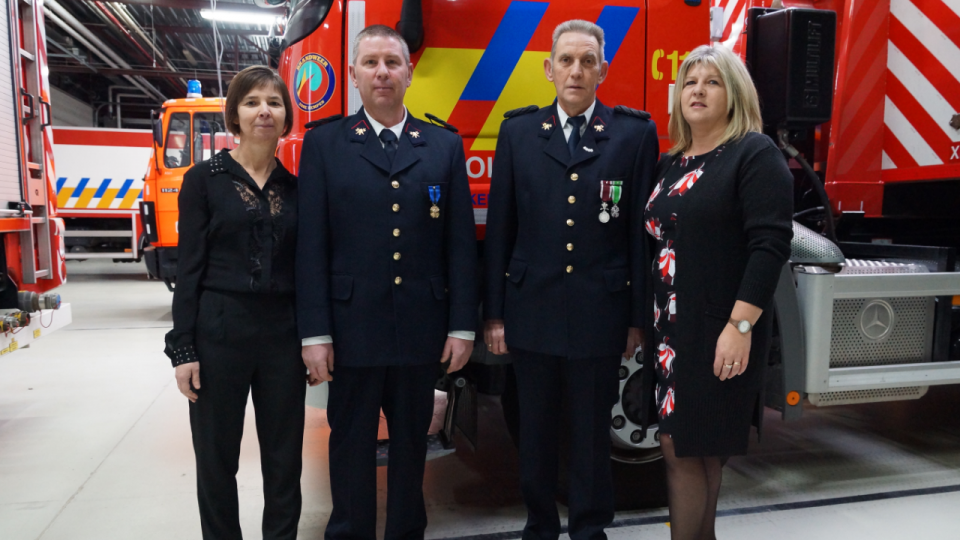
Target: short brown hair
<point>241,85</point>
<point>378,30</point>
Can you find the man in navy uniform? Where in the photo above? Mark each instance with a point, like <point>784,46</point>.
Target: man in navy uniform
<point>386,280</point>
<point>565,273</point>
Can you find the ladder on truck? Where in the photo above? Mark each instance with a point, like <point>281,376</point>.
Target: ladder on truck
<point>23,188</point>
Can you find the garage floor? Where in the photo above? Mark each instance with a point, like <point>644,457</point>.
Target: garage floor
<point>95,444</point>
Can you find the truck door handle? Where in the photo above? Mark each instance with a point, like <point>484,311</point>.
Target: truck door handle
<point>32,114</point>
<point>45,104</point>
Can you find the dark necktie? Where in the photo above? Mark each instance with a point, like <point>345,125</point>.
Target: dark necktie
<point>389,139</point>
<point>574,140</point>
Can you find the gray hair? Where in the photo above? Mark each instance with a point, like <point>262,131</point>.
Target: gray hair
<point>581,27</point>
<point>378,30</point>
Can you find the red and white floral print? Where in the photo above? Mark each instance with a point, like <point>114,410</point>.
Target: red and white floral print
<point>667,263</point>
<point>665,357</point>
<point>681,186</point>
<point>666,405</point>
<point>656,191</point>
<point>653,227</point>
<point>671,307</point>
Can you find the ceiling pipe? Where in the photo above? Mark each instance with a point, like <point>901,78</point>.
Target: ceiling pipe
<point>52,17</point>
<point>128,23</point>
<point>113,87</point>
<point>111,19</point>
<point>52,6</point>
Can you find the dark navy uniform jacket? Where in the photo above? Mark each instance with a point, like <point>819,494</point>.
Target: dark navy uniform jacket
<point>374,270</point>
<point>565,283</point>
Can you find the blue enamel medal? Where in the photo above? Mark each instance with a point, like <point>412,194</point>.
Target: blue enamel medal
<point>435,199</point>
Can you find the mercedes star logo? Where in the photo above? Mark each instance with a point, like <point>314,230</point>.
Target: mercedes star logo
<point>876,320</point>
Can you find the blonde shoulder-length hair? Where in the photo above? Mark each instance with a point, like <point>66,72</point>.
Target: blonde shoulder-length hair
<point>743,107</point>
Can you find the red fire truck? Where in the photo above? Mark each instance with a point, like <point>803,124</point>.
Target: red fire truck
<point>861,95</point>
<point>33,251</point>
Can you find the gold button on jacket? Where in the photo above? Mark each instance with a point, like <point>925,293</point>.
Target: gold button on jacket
<point>398,281</point>
<point>570,222</point>
<point>396,256</point>
<point>396,207</point>
<point>395,184</point>
<point>574,177</point>
<point>569,269</point>
<point>571,199</point>
<point>396,232</point>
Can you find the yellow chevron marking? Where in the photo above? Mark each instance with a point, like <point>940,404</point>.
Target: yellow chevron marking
<point>108,198</point>
<point>439,78</point>
<point>85,197</point>
<point>527,85</point>
<point>130,198</point>
<point>64,196</point>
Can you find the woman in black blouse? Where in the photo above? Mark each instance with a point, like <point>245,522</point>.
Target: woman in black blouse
<point>719,223</point>
<point>233,311</point>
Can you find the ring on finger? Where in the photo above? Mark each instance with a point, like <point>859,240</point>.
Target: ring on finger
<point>728,366</point>
<point>736,363</point>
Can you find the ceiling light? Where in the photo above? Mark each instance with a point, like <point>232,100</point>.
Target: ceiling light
<point>242,17</point>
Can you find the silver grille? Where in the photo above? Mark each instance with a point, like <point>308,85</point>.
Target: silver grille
<point>808,247</point>
<point>867,396</point>
<point>865,333</point>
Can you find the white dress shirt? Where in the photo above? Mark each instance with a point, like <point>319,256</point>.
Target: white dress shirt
<point>568,128</point>
<point>397,130</point>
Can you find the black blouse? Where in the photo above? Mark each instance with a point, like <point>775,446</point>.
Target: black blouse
<point>234,237</point>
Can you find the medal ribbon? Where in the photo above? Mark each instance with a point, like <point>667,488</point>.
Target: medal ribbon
<point>434,194</point>
<point>611,190</point>
<point>605,190</point>
<point>616,189</point>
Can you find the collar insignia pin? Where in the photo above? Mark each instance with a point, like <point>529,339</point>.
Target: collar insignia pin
<point>547,126</point>
<point>361,131</point>
<point>415,134</point>
<point>598,127</point>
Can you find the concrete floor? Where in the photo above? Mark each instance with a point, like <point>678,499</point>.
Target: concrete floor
<point>95,444</point>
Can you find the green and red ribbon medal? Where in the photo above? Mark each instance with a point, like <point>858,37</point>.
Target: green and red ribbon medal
<point>435,199</point>
<point>610,191</point>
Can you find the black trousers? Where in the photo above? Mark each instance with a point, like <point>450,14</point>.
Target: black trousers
<point>353,410</point>
<point>588,389</point>
<point>248,342</point>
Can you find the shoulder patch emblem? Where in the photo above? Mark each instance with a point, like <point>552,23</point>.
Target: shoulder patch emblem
<point>620,109</point>
<point>521,111</point>
<point>319,122</point>
<point>434,119</point>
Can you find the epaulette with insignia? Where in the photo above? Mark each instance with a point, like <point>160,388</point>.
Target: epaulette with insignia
<point>521,111</point>
<point>441,123</point>
<point>321,121</point>
<point>632,112</point>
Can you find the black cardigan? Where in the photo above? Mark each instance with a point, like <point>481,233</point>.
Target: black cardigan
<point>735,234</point>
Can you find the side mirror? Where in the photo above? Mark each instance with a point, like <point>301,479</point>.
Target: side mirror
<point>158,132</point>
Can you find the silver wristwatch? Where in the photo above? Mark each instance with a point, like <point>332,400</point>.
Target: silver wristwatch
<point>744,326</point>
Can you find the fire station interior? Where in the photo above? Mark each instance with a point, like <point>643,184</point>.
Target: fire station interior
<point>95,439</point>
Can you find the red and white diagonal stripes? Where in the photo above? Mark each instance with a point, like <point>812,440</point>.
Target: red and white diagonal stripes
<point>734,12</point>
<point>923,83</point>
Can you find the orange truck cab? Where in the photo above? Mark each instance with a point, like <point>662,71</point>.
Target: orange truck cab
<point>188,131</point>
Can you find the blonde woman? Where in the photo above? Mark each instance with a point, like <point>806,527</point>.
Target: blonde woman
<point>719,223</point>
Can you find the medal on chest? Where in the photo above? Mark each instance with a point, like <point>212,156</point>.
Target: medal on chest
<point>435,199</point>
<point>610,192</point>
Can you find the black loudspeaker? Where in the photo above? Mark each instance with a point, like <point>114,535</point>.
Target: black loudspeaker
<point>790,56</point>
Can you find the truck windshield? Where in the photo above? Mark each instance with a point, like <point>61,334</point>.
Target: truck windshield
<point>305,17</point>
<point>176,152</point>
<point>209,135</point>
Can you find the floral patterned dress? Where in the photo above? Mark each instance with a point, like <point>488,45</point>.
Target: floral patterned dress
<point>662,214</point>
